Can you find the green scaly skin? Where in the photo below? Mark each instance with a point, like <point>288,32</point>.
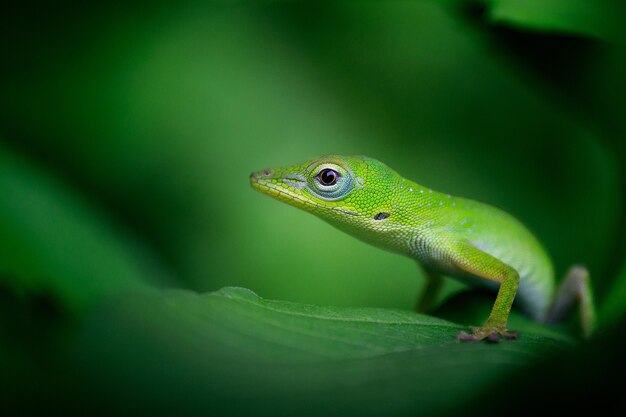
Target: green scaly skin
<point>448,235</point>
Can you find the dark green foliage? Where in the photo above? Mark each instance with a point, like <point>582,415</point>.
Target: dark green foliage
<point>126,217</point>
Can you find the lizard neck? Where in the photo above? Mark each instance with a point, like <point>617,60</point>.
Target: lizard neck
<point>395,219</point>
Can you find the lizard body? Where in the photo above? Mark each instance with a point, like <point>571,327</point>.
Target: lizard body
<point>448,235</point>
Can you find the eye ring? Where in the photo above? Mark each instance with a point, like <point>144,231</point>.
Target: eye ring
<point>328,177</point>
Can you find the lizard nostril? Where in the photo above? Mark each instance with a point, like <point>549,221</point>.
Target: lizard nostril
<point>267,172</point>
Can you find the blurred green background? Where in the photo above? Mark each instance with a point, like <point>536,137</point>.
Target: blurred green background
<point>128,132</point>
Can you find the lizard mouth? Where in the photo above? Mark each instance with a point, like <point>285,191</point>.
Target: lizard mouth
<point>289,189</point>
<point>285,189</point>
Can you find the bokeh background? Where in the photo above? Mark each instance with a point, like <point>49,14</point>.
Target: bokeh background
<point>127,133</point>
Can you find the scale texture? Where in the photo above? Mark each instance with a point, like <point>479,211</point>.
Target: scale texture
<point>453,236</point>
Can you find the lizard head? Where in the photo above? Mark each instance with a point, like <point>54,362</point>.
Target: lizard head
<point>344,190</point>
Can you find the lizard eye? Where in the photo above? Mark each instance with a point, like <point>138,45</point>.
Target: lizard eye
<point>330,181</point>
<point>328,177</point>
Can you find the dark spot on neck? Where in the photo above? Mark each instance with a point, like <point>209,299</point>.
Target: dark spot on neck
<point>381,216</point>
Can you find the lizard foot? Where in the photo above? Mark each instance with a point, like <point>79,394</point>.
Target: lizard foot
<point>491,334</point>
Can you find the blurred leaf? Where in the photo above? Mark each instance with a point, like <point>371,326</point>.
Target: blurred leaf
<point>561,380</point>
<point>53,243</point>
<point>232,352</point>
<point>166,120</point>
<point>597,18</point>
<point>614,305</point>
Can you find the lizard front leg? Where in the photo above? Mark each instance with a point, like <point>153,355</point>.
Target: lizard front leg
<point>480,264</point>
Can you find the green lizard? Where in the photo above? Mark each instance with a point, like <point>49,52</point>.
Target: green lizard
<point>447,235</point>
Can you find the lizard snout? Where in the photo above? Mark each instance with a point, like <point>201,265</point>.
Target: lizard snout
<point>261,174</point>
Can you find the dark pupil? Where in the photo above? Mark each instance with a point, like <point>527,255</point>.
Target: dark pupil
<point>328,177</point>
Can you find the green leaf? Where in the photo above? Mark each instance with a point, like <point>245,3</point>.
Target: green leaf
<point>53,243</point>
<point>600,19</point>
<point>234,351</point>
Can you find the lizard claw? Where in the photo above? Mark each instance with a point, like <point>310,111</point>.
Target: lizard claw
<point>465,337</point>
<point>490,334</point>
<point>493,337</point>
<point>510,335</point>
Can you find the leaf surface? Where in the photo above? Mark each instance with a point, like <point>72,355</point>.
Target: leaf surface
<point>54,244</point>
<point>233,351</point>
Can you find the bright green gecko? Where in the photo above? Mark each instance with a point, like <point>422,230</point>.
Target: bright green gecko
<point>447,235</point>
